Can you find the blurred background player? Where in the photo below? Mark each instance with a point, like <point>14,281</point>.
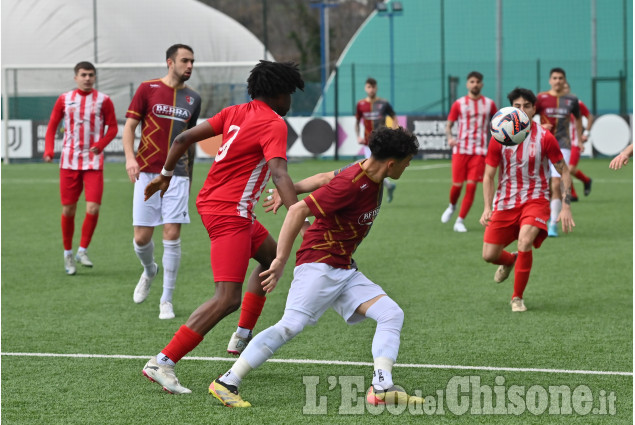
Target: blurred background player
<point>375,112</point>
<point>473,112</point>
<point>86,113</point>
<point>521,207</point>
<point>577,147</point>
<point>555,109</point>
<point>167,107</point>
<point>254,148</point>
<point>323,276</point>
<point>622,158</point>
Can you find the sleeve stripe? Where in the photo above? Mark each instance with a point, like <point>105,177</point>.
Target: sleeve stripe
<point>317,205</point>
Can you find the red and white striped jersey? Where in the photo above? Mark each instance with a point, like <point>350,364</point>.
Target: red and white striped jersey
<point>473,116</point>
<point>584,111</point>
<point>85,114</point>
<point>523,169</point>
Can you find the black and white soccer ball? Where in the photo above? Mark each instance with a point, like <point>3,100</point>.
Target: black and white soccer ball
<point>510,126</point>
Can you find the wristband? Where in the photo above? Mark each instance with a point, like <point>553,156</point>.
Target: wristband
<point>167,173</point>
<point>585,133</point>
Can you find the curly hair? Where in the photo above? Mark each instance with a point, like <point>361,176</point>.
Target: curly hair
<point>270,79</point>
<point>386,143</point>
<point>526,94</point>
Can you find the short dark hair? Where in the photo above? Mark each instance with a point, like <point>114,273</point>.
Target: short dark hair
<point>559,71</point>
<point>85,65</point>
<point>521,92</point>
<point>173,50</point>
<point>476,75</point>
<point>386,143</point>
<point>270,79</point>
<point>371,81</point>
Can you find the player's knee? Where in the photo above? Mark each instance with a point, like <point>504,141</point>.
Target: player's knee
<point>490,257</point>
<point>387,313</point>
<point>291,324</point>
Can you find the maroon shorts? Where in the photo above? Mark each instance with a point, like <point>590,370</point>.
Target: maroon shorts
<point>233,241</point>
<point>575,156</point>
<point>467,167</point>
<point>505,225</point>
<point>73,181</point>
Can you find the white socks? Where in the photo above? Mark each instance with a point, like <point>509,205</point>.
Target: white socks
<point>171,262</point>
<point>389,317</point>
<point>145,254</point>
<point>556,207</point>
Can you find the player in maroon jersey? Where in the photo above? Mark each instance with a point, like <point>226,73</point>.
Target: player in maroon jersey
<point>167,107</point>
<point>555,109</point>
<point>324,275</point>
<point>577,147</point>
<point>86,112</point>
<point>254,149</point>
<point>521,202</point>
<point>372,112</point>
<point>473,112</point>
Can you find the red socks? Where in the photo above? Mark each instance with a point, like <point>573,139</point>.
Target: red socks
<point>581,176</point>
<point>574,195</point>
<point>506,258</point>
<point>184,341</point>
<point>468,199</point>
<point>68,228</point>
<point>521,274</point>
<point>250,310</point>
<point>88,228</point>
<point>455,192</point>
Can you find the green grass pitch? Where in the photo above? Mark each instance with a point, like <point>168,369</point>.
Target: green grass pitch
<point>579,297</point>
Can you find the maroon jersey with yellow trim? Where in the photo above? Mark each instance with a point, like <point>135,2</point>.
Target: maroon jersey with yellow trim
<point>373,114</point>
<point>344,212</point>
<point>557,111</point>
<point>165,113</point>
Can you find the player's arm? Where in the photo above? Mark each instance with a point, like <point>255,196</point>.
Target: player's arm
<point>180,145</point>
<point>360,136</point>
<point>127,140</point>
<point>273,201</point>
<point>110,119</point>
<point>488,193</point>
<point>49,140</point>
<point>622,159</point>
<point>448,133</point>
<point>565,214</point>
<point>293,222</point>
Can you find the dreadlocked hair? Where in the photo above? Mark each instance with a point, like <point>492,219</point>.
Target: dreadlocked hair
<point>270,79</point>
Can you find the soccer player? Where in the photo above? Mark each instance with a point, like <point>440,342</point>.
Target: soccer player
<point>521,207</point>
<point>577,147</point>
<point>325,276</point>
<point>86,113</point>
<point>374,111</point>
<point>622,158</point>
<point>473,113</point>
<point>555,109</point>
<point>167,107</point>
<point>254,148</point>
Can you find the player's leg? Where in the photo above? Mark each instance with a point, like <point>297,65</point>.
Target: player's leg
<point>573,166</point>
<point>146,215</point>
<point>475,169</point>
<point>500,232</point>
<point>174,212</point>
<point>556,204</point>
<point>93,191</point>
<point>459,174</point>
<point>70,189</point>
<point>263,250</point>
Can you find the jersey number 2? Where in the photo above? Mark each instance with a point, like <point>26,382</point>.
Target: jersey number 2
<point>222,151</point>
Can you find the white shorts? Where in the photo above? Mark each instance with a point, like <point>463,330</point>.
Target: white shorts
<point>172,208</point>
<point>566,153</point>
<point>318,286</point>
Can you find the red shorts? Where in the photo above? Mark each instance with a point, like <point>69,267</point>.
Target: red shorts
<point>467,167</point>
<point>73,181</point>
<point>575,156</point>
<point>233,241</point>
<point>505,225</point>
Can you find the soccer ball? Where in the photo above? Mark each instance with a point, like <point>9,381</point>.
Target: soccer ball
<point>510,126</point>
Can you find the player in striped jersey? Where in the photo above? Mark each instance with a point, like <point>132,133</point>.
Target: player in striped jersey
<point>521,205</point>
<point>86,113</point>
<point>577,147</point>
<point>473,112</point>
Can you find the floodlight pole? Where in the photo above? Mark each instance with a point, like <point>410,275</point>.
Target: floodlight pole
<point>389,10</point>
<point>324,44</point>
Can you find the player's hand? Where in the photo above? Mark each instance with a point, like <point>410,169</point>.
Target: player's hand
<point>160,182</point>
<point>566,219</point>
<point>547,126</point>
<point>452,142</point>
<point>618,162</point>
<point>272,275</point>
<point>95,150</point>
<point>132,168</point>
<point>361,140</point>
<point>48,158</point>
<point>273,201</point>
<point>582,146</point>
<point>486,217</point>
